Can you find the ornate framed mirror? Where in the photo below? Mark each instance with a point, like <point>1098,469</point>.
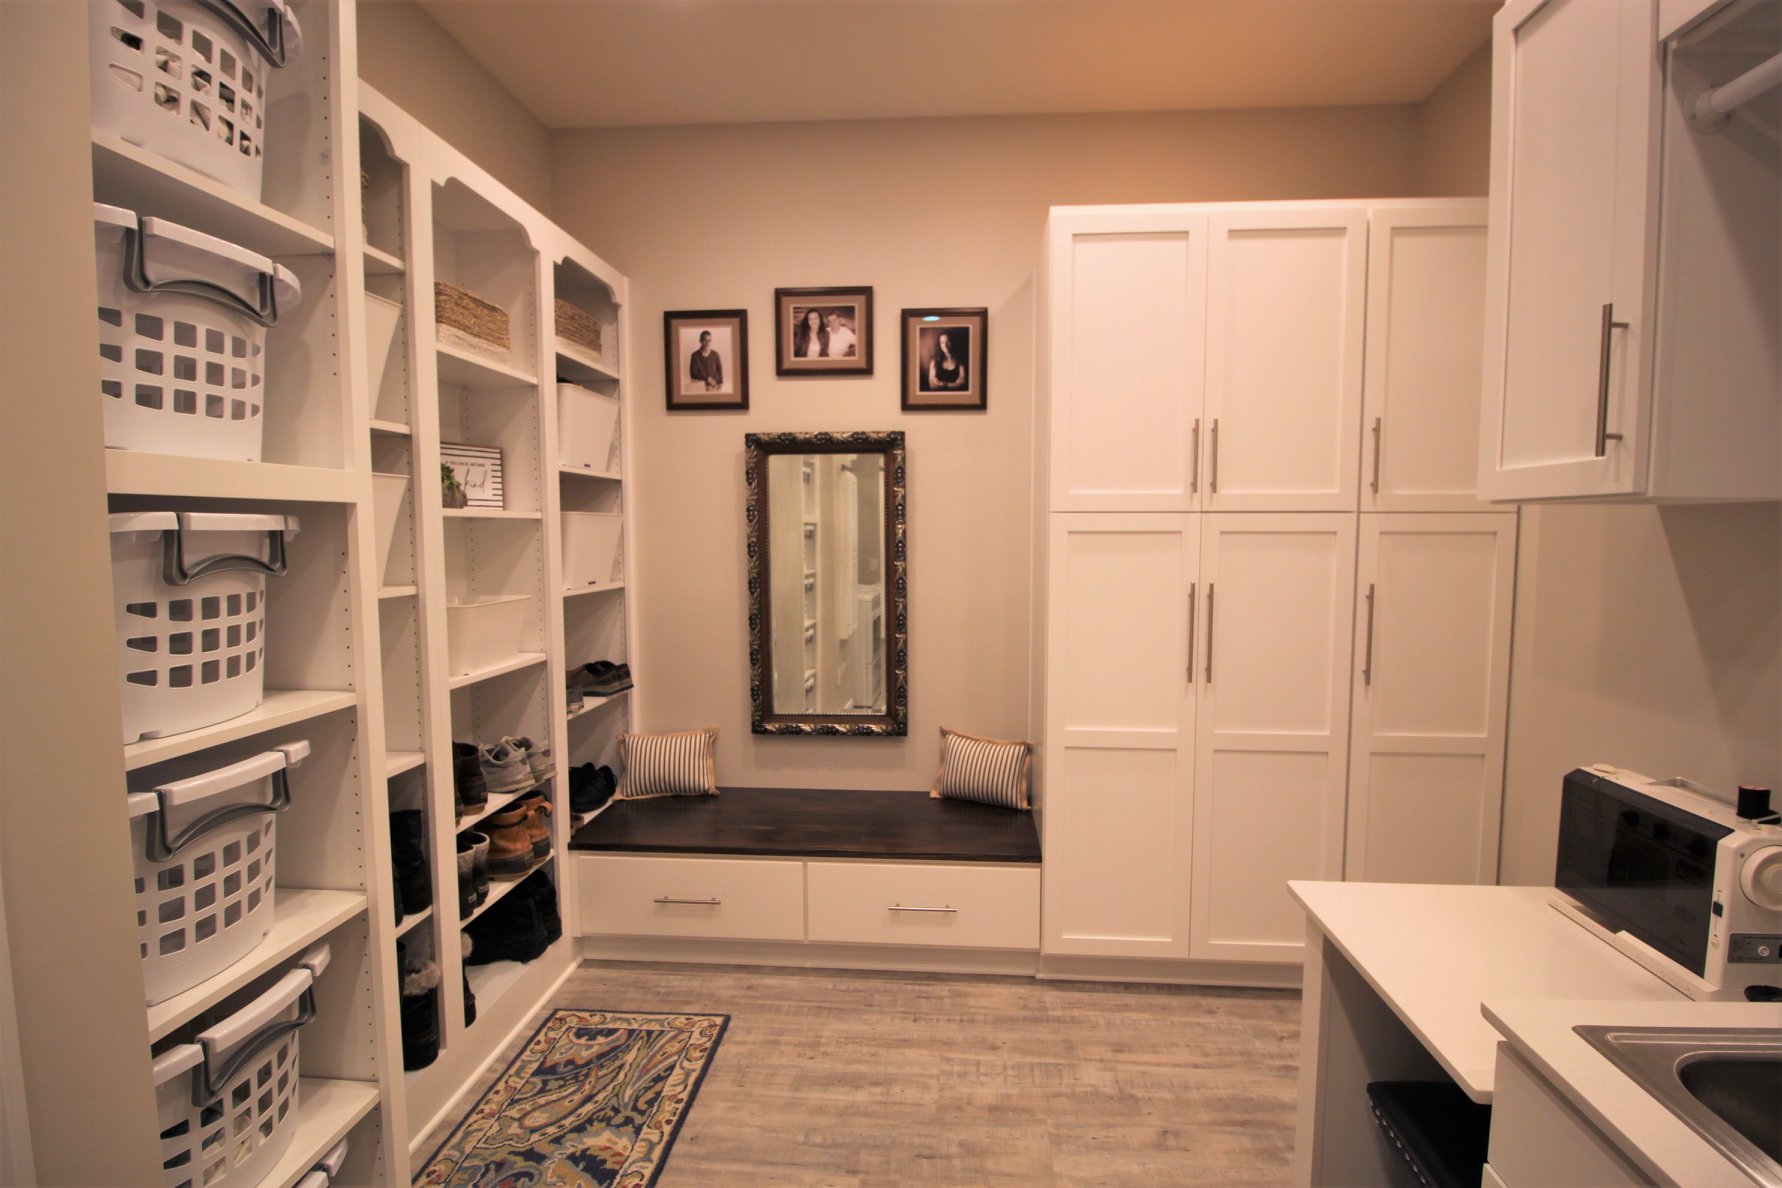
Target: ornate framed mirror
<point>828,575</point>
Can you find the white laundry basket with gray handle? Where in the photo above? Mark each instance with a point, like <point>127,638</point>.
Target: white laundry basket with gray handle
<point>189,605</point>
<point>205,849</point>
<point>182,336</point>
<point>187,79</point>
<point>227,1098</point>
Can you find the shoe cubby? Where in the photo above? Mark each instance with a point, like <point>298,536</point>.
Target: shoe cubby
<point>483,250</point>
<point>382,188</point>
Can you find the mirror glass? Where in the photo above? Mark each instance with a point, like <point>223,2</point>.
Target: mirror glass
<point>826,583</point>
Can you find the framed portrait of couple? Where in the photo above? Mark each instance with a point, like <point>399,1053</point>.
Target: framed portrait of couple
<point>707,363</point>
<point>944,352</point>
<point>823,331</point>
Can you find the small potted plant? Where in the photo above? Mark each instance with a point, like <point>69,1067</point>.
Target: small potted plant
<point>451,490</point>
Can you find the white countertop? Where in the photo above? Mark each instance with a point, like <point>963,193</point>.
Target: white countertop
<point>1645,1131</point>
<point>1434,954</point>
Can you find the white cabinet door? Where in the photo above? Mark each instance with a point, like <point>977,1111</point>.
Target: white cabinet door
<point>1425,340</point>
<point>1272,735</point>
<point>1431,684</point>
<point>1127,291</point>
<point>1286,296</point>
<point>1574,92</point>
<point>1119,735</point>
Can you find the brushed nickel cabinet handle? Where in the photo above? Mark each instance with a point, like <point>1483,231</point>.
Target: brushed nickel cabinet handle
<point>1213,462</point>
<point>1374,486</point>
<point>1603,436</point>
<point>1194,476</point>
<point>1367,662</point>
<point>898,907</point>
<point>1209,633</point>
<point>692,902</point>
<point>1191,601</point>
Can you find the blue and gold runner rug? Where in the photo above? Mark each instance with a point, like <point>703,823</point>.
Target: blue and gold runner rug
<point>593,1098</point>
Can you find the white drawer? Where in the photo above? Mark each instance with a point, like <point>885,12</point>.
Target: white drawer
<point>888,903</point>
<point>731,898</point>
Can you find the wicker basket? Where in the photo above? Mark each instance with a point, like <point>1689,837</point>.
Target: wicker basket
<point>466,320</point>
<point>577,327</point>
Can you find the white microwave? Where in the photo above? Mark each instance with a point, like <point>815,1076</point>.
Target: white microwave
<point>1668,873</point>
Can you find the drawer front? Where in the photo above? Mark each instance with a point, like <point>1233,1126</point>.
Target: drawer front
<point>887,903</point>
<point>735,899</point>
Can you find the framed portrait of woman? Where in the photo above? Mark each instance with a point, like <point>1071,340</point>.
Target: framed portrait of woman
<point>706,359</point>
<point>944,353</point>
<point>823,331</point>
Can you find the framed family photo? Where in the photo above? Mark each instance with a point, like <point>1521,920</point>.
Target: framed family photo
<point>823,331</point>
<point>706,361</point>
<point>944,353</point>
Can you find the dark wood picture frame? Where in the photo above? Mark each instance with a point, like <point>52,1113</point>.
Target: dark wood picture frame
<point>785,301</point>
<point>923,327</point>
<point>682,396</point>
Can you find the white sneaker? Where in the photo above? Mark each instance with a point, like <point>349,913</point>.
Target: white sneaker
<point>538,756</point>
<point>505,768</point>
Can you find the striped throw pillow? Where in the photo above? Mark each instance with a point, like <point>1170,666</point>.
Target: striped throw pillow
<point>987,770</point>
<point>682,764</point>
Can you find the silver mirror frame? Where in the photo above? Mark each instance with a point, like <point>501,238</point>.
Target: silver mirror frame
<point>895,721</point>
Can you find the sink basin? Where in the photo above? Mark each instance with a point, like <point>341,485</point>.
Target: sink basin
<point>1724,1083</point>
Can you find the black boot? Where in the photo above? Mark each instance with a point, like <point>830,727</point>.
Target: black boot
<point>420,1010</point>
<point>408,855</point>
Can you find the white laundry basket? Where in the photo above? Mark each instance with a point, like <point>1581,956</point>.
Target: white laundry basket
<point>228,1097</point>
<point>187,79</point>
<point>182,336</point>
<point>587,429</point>
<point>205,849</point>
<point>591,549</point>
<point>189,605</point>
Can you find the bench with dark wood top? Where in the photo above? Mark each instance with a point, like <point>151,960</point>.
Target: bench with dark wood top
<point>814,823</point>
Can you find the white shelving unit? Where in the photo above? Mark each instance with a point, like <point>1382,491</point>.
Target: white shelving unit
<point>433,216</point>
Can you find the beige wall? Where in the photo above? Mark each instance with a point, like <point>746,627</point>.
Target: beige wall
<point>1454,131</point>
<point>930,213</point>
<point>406,55</point>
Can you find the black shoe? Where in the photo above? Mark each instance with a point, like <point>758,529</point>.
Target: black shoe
<point>419,1010</point>
<point>590,787</point>
<point>468,785</point>
<point>408,856</point>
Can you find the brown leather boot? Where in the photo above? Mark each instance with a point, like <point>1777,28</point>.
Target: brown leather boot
<point>510,839</point>
<point>539,825</point>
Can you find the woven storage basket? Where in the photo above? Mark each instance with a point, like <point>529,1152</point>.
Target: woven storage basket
<point>577,326</point>
<point>467,321</point>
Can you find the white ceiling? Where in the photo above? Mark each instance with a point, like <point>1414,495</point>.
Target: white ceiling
<point>603,63</point>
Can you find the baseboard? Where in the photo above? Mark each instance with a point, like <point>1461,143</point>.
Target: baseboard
<point>798,955</point>
<point>1186,973</point>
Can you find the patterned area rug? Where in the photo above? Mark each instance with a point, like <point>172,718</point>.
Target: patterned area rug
<point>594,1098</point>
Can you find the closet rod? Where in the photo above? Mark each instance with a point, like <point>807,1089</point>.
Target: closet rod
<point>1712,107</point>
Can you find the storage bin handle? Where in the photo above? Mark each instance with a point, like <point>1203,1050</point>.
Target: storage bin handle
<point>264,309</point>
<point>275,763</point>
<point>279,42</point>
<point>176,572</point>
<point>256,1027</point>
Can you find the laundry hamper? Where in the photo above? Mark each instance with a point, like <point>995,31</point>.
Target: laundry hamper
<point>189,605</point>
<point>187,79</point>
<point>324,1172</point>
<point>182,336</point>
<point>228,1097</point>
<point>205,850</point>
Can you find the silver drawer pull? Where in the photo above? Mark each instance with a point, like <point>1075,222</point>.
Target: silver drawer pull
<point>898,907</point>
<point>691,902</point>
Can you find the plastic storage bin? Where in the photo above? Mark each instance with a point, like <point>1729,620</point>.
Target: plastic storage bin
<point>187,79</point>
<point>228,1097</point>
<point>587,429</point>
<point>387,491</point>
<point>189,605</point>
<point>182,336</point>
<point>382,317</point>
<point>205,849</point>
<point>591,555</point>
<point>483,632</point>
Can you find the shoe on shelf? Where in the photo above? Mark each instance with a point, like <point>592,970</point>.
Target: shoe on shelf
<point>590,787</point>
<point>467,899</point>
<point>419,1011</point>
<point>465,947</point>
<point>505,768</point>
<point>408,857</point>
<point>479,864</point>
<point>510,839</point>
<point>538,825</point>
<point>572,694</point>
<point>603,678</point>
<point>538,757</point>
<point>471,789</point>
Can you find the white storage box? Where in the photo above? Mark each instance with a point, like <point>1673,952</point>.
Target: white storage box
<point>387,491</point>
<point>483,632</point>
<point>182,337</point>
<point>187,79</point>
<point>587,429</point>
<point>205,848</point>
<point>189,605</point>
<point>382,317</point>
<point>591,554</point>
<point>228,1098</point>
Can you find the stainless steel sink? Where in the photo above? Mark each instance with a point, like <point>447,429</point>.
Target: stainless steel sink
<point>1724,1083</point>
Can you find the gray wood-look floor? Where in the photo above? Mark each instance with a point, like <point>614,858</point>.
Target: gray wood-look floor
<point>845,1078</point>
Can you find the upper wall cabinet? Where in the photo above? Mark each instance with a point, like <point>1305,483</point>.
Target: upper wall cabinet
<point>1633,260</point>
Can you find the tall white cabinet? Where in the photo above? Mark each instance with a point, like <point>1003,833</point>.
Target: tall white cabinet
<point>1277,618</point>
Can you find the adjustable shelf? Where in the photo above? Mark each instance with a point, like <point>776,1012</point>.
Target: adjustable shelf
<point>279,708</point>
<point>524,660</point>
<point>381,263</point>
<point>130,472</point>
<point>500,886</point>
<point>463,367</point>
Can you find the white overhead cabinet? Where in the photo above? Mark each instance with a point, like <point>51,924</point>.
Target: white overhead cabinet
<point>1633,262</point>
<point>1229,388</point>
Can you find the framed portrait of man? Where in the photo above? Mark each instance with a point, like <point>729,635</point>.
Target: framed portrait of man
<point>823,331</point>
<point>706,359</point>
